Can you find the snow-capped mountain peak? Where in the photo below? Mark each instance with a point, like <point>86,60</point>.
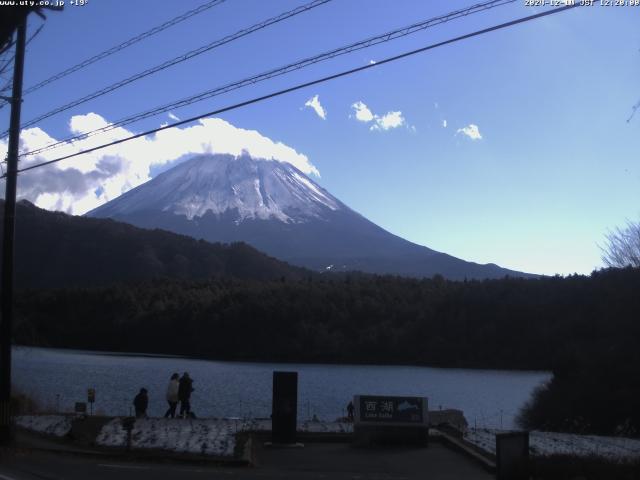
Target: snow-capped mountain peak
<point>276,208</point>
<point>247,187</point>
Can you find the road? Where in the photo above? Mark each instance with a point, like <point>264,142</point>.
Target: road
<point>313,462</point>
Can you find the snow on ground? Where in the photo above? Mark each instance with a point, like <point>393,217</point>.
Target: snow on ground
<point>543,444</point>
<point>215,437</point>
<point>201,436</point>
<point>56,425</point>
<point>264,424</point>
<point>257,425</point>
<point>325,427</point>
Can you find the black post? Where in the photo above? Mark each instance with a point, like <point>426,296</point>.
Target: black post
<point>512,456</point>
<point>284,408</point>
<point>8,239</point>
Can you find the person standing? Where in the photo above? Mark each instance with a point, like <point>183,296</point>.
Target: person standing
<point>185,387</point>
<point>141,402</point>
<point>172,396</point>
<point>350,410</point>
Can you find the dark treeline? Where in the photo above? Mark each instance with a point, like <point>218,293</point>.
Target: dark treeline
<point>55,249</point>
<point>585,329</point>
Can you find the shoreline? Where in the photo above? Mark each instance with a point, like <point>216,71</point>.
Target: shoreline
<point>109,353</point>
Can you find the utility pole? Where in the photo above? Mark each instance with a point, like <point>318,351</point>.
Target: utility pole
<point>6,322</point>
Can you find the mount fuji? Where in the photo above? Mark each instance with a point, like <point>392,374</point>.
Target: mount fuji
<point>276,208</point>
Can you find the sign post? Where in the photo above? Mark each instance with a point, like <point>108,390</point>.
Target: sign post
<point>80,408</point>
<point>91,398</point>
<point>127,425</point>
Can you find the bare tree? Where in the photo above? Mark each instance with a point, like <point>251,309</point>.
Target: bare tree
<point>623,246</point>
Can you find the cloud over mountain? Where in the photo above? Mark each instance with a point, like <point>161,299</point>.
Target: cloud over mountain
<point>80,184</point>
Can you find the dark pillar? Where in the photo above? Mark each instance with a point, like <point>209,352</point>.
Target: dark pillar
<point>6,325</point>
<point>284,414</point>
<point>512,456</point>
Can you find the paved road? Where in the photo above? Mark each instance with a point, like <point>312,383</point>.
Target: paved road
<point>315,461</point>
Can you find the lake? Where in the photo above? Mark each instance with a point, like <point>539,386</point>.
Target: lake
<point>59,378</point>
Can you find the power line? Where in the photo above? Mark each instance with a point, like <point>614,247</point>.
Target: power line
<point>634,109</point>
<point>369,42</point>
<point>308,84</point>
<point>179,59</point>
<point>4,48</point>
<point>125,44</point>
<point>6,86</point>
<point>9,62</point>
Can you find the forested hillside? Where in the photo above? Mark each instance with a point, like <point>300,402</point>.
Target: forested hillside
<point>58,250</point>
<point>584,329</point>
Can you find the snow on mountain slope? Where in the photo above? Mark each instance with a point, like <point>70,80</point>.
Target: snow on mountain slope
<point>277,209</point>
<point>219,183</point>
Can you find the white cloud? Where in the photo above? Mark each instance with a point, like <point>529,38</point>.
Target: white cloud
<point>372,62</point>
<point>471,131</point>
<point>444,124</point>
<point>388,121</point>
<point>362,112</point>
<point>173,117</point>
<point>385,122</point>
<point>79,184</point>
<point>315,104</point>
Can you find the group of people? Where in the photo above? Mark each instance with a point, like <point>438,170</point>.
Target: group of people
<point>178,391</point>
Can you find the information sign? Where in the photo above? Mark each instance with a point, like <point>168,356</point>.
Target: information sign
<point>391,410</point>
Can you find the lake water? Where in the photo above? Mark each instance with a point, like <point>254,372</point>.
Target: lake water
<point>59,378</point>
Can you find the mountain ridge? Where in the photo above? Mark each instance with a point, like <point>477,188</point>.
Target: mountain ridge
<point>277,209</point>
<point>53,249</point>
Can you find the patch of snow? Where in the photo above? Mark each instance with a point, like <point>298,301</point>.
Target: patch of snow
<point>325,427</point>
<point>256,189</point>
<point>56,425</point>
<point>256,186</point>
<point>257,425</point>
<point>112,434</point>
<point>543,444</point>
<point>319,196</point>
<point>212,437</point>
<point>264,425</point>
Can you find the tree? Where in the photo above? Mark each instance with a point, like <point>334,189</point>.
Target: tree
<point>623,246</point>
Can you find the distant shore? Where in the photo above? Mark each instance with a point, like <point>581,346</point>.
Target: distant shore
<point>279,362</point>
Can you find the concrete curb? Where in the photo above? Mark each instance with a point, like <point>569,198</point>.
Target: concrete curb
<point>245,459</point>
<point>462,447</point>
<point>34,442</point>
<point>156,456</point>
<point>247,452</point>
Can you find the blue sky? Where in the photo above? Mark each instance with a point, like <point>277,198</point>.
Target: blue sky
<point>556,165</point>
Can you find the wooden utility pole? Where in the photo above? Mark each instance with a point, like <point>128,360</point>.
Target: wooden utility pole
<point>6,323</point>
